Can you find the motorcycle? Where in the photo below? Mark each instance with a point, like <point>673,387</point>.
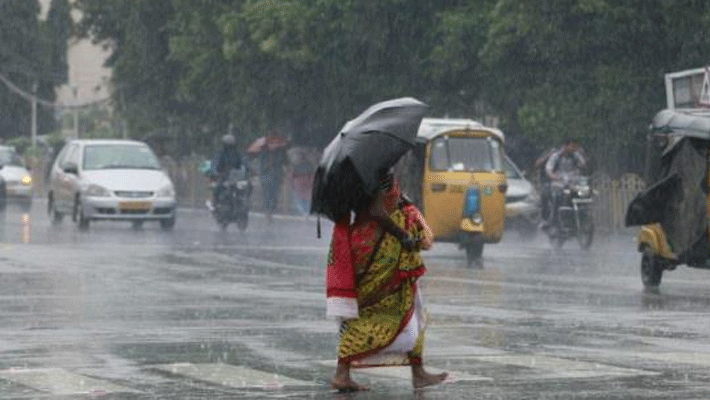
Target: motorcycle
<point>574,213</point>
<point>232,201</point>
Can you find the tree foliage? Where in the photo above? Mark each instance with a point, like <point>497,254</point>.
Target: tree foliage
<point>32,52</point>
<point>589,69</point>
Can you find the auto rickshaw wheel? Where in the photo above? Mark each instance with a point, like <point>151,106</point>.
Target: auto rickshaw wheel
<point>474,251</point>
<point>651,268</point>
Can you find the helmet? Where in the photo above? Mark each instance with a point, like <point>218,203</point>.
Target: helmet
<point>229,140</point>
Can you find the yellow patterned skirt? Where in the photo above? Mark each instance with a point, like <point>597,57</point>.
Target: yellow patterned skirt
<point>391,322</point>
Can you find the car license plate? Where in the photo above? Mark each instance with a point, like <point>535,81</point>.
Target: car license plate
<point>134,205</point>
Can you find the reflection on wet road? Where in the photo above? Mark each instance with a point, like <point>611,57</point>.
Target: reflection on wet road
<point>123,313</point>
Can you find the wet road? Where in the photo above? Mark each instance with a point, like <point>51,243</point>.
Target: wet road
<point>119,313</point>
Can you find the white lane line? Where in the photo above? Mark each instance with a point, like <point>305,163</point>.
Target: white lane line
<point>552,367</point>
<point>700,359</point>
<point>404,373</point>
<point>232,376</point>
<point>59,382</point>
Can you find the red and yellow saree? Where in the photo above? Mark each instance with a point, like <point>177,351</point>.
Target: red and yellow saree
<point>372,288</point>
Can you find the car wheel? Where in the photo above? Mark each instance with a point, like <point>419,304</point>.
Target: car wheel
<point>651,269</point>
<point>81,219</point>
<point>3,196</point>
<point>167,224</point>
<point>54,215</point>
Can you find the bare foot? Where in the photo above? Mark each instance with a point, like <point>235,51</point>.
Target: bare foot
<point>423,379</point>
<point>347,385</point>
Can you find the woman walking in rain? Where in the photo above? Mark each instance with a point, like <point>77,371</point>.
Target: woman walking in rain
<point>372,287</point>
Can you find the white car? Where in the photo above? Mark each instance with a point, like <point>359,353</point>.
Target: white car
<point>18,180</point>
<point>97,179</point>
<point>522,203</point>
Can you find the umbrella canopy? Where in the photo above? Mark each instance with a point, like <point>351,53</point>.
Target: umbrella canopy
<point>351,165</point>
<point>267,143</point>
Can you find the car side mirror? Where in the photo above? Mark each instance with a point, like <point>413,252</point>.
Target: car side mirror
<point>71,168</point>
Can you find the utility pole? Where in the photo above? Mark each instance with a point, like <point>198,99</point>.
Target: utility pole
<point>75,91</point>
<point>35,86</point>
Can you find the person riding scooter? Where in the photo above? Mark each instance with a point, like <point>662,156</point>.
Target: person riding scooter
<point>568,161</point>
<point>227,159</point>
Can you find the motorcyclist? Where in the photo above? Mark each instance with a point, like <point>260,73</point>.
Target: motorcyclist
<point>227,159</point>
<point>565,163</point>
<point>544,182</point>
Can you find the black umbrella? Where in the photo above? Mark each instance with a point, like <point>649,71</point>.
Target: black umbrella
<point>351,165</point>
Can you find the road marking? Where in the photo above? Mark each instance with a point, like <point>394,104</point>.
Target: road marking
<point>404,373</point>
<point>59,382</point>
<point>552,367</point>
<point>232,375</point>
<point>701,359</point>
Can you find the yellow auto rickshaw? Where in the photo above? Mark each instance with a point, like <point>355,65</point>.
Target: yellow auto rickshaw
<point>673,211</point>
<point>455,175</point>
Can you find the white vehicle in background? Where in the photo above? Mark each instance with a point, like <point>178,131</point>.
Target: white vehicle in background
<point>120,180</point>
<point>522,202</point>
<point>17,179</point>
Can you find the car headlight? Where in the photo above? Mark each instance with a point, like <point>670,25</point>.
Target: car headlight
<point>167,191</point>
<point>95,190</point>
<point>26,180</point>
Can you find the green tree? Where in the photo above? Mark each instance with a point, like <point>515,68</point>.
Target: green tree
<point>589,69</point>
<point>145,78</point>
<point>59,30</point>
<point>19,62</point>
<point>32,53</point>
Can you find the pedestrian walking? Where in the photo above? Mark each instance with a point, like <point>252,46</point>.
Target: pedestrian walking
<point>271,150</point>
<point>373,290</point>
<point>302,179</point>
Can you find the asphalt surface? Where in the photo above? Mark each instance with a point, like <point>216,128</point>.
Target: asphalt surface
<point>197,313</point>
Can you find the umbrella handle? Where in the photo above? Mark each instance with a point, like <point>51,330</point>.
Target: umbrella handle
<point>390,227</point>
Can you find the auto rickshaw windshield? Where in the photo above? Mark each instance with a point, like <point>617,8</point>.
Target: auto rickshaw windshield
<point>465,154</point>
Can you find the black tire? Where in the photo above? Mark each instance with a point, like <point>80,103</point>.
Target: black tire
<point>82,221</point>
<point>651,269</point>
<point>586,236</point>
<point>167,224</point>
<point>3,196</point>
<point>54,216</point>
<point>474,252</point>
<point>557,241</point>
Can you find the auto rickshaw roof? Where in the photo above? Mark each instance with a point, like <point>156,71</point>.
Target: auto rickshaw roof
<point>682,123</point>
<point>433,127</point>
<point>694,122</point>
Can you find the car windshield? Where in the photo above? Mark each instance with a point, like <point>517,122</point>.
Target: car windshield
<point>119,156</point>
<point>510,171</point>
<point>10,157</point>
<point>465,154</point>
